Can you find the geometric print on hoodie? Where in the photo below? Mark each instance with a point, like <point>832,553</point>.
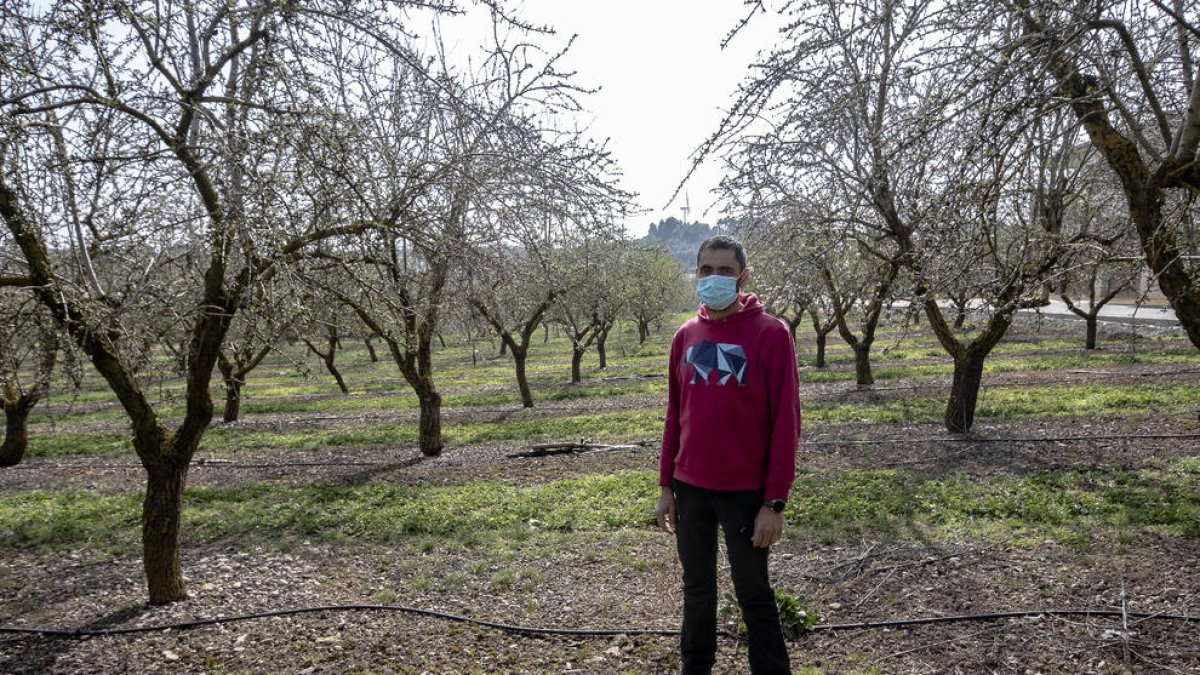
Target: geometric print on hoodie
<point>716,360</point>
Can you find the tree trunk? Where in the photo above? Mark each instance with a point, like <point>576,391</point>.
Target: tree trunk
<point>161,511</point>
<point>822,338</point>
<point>1165,258</point>
<point>862,364</point>
<point>16,429</point>
<point>1090,320</point>
<point>794,325</point>
<point>430,422</point>
<point>337,375</point>
<point>519,356</point>
<point>601,351</point>
<point>329,358</point>
<point>643,331</point>
<point>576,359</point>
<point>503,348</point>
<point>961,318</point>
<point>964,393</point>
<point>371,351</point>
<point>233,399</point>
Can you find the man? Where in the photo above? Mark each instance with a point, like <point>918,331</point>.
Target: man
<point>729,455</point>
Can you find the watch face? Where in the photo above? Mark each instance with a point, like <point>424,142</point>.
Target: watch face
<point>777,505</point>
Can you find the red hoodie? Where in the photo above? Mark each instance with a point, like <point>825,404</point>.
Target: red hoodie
<point>733,403</point>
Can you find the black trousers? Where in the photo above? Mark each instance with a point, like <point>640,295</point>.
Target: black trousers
<point>698,512</point>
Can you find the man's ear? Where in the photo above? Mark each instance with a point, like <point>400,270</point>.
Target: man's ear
<point>743,278</point>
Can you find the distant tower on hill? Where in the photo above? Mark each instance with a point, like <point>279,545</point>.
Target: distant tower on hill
<point>687,207</point>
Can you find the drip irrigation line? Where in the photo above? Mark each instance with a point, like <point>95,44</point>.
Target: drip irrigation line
<point>78,633</point>
<point>528,630</point>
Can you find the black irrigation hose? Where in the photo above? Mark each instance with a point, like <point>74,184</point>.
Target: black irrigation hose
<point>994,616</point>
<point>78,633</point>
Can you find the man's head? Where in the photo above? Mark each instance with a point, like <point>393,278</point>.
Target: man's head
<point>722,242</point>
<point>720,272</point>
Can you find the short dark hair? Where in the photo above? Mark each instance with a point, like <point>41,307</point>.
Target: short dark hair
<point>727,242</point>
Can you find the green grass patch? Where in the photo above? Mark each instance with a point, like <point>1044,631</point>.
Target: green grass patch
<point>65,519</point>
<point>95,444</point>
<point>1070,506</point>
<point>1016,402</point>
<point>1057,504</point>
<point>999,403</point>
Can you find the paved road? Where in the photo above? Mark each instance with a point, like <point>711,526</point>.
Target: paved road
<point>1114,313</point>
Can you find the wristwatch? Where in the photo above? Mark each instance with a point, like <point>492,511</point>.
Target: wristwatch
<point>775,505</point>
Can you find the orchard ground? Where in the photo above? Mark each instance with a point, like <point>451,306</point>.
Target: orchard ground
<point>1079,488</point>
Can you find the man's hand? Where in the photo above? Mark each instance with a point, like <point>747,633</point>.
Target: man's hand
<point>665,511</point>
<point>768,527</point>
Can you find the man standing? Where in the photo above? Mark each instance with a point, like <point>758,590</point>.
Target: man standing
<point>729,455</point>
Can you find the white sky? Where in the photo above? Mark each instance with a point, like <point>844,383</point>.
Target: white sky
<point>664,82</point>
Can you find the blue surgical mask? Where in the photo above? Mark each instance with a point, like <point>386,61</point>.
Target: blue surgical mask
<point>716,291</point>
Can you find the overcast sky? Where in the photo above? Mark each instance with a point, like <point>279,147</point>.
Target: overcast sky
<point>664,81</point>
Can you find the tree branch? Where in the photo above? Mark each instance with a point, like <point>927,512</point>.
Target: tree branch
<point>1140,69</point>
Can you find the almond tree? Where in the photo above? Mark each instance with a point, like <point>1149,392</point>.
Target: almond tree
<point>194,110</point>
<point>254,334</point>
<point>656,284</point>
<point>449,167</point>
<point>999,236</point>
<point>1128,72</point>
<point>29,345</point>
<point>1107,263</point>
<point>591,297</point>
<point>512,290</point>
<point>919,155</point>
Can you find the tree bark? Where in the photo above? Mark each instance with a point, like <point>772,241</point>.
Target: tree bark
<point>337,374</point>
<point>328,358</point>
<point>862,364</point>
<point>1091,331</point>
<point>960,319</point>
<point>794,324</point>
<point>371,350</point>
<point>964,392</point>
<point>576,359</point>
<point>430,422</point>
<point>601,350</point>
<point>519,356</point>
<point>233,399</point>
<point>822,338</point>
<point>161,512</point>
<point>16,428</point>
<point>969,358</point>
<point>643,331</point>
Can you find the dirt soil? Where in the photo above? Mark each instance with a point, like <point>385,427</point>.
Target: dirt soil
<point>628,579</point>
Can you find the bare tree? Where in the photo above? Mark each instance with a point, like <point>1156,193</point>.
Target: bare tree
<point>451,167</point>
<point>655,285</point>
<point>927,156</point>
<point>512,290</point>
<point>1128,71</point>
<point>1106,263</point>
<point>999,238</point>
<point>591,297</point>
<point>29,351</point>
<point>193,109</point>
